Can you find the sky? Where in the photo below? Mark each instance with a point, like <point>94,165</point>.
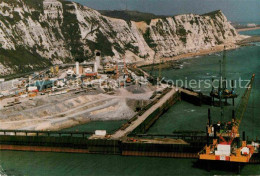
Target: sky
<point>236,10</point>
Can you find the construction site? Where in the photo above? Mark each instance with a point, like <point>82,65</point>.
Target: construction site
<point>34,110</point>
<point>72,94</point>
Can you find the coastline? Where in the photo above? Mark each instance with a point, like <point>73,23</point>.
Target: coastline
<point>247,29</point>
<point>203,52</point>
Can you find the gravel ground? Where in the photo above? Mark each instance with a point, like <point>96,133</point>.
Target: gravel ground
<point>67,110</point>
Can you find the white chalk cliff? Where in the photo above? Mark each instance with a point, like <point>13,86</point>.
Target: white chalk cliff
<point>38,33</point>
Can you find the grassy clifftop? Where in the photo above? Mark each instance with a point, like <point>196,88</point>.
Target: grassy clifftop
<point>130,15</point>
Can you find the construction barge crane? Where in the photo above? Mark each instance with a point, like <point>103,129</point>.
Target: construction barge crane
<point>223,93</point>
<point>227,147</point>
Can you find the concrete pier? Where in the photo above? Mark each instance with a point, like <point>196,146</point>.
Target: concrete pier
<point>195,98</point>
<point>123,133</point>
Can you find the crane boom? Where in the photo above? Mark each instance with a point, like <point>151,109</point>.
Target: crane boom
<point>224,65</point>
<point>241,108</point>
<point>151,72</point>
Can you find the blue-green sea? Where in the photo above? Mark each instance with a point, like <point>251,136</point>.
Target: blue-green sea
<point>242,62</point>
<point>251,33</point>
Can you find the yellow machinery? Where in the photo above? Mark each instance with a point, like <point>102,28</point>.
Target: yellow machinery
<point>56,69</point>
<point>125,68</point>
<point>224,148</point>
<point>32,94</point>
<point>109,68</point>
<point>52,70</point>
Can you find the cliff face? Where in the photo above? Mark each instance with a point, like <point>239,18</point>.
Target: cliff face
<point>38,33</point>
<point>189,33</point>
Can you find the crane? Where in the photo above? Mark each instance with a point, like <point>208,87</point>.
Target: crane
<point>151,78</point>
<point>242,106</point>
<point>225,148</point>
<point>223,92</point>
<point>160,70</point>
<point>238,115</point>
<point>152,69</point>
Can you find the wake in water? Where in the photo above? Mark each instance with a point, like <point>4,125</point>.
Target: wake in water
<point>256,43</point>
<point>2,171</point>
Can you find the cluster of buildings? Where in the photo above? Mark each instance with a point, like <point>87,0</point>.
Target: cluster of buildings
<point>60,79</point>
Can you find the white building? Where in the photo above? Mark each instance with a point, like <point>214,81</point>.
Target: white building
<point>251,25</point>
